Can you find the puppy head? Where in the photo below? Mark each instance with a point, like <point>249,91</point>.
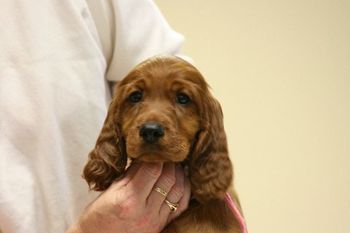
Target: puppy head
<point>160,116</point>
<point>163,111</point>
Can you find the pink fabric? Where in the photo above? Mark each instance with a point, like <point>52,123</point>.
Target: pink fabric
<point>236,213</point>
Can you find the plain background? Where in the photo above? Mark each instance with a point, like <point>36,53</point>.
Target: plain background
<point>281,70</point>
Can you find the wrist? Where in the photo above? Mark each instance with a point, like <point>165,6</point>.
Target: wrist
<point>94,221</point>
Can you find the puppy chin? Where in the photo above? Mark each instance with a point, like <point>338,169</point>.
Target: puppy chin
<point>156,157</point>
<point>152,158</point>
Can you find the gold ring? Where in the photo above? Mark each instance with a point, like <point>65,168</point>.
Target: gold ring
<point>172,206</point>
<point>161,191</point>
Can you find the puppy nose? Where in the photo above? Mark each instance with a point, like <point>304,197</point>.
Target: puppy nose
<point>151,132</point>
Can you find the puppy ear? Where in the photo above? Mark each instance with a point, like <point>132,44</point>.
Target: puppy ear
<point>107,161</point>
<point>210,168</point>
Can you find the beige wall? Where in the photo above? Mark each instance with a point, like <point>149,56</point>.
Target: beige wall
<point>281,70</point>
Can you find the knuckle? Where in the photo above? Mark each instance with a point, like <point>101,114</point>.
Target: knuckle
<point>126,208</point>
<point>178,191</point>
<point>123,210</point>
<point>147,223</point>
<point>154,225</point>
<point>169,180</point>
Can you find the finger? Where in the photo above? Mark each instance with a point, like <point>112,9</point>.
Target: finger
<point>164,183</point>
<point>129,174</point>
<point>175,193</point>
<point>145,178</point>
<point>131,171</point>
<point>184,201</point>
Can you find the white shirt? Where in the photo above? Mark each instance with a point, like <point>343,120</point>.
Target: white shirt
<point>55,59</point>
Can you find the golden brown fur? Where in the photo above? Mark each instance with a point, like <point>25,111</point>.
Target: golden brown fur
<point>194,135</point>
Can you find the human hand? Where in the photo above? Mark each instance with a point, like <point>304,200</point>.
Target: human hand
<point>132,205</point>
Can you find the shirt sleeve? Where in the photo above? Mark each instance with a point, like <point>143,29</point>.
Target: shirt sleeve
<point>131,31</point>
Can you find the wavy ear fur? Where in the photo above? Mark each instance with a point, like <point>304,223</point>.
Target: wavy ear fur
<point>107,161</point>
<point>210,167</point>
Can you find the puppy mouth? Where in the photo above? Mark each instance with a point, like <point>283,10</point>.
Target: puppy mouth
<point>153,153</point>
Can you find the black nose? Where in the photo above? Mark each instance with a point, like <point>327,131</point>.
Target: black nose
<point>151,132</point>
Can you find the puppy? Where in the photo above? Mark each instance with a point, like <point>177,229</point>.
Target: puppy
<point>163,111</point>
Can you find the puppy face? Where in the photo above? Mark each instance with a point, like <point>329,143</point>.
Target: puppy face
<point>163,111</point>
<point>159,116</point>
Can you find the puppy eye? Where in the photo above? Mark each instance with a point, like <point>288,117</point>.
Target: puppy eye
<point>182,98</point>
<point>135,97</point>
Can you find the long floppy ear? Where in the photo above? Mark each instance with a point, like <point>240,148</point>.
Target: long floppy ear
<point>107,161</point>
<point>210,168</point>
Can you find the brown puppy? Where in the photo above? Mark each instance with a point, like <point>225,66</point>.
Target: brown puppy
<point>163,111</point>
